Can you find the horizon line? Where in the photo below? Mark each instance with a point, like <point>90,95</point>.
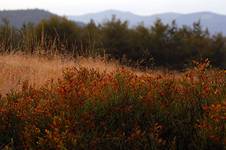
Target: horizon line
<point>112,9</point>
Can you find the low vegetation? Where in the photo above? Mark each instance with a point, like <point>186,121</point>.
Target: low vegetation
<point>118,109</point>
<point>49,101</point>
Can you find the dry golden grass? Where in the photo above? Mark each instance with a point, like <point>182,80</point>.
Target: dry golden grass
<point>18,68</point>
<point>37,70</point>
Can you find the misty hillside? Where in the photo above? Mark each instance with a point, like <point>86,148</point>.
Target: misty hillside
<point>18,17</point>
<point>214,22</point>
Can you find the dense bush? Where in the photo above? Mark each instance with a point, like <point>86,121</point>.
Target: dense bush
<point>58,32</point>
<point>163,45</point>
<point>119,110</point>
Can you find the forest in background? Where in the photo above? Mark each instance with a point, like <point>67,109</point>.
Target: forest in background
<point>160,45</point>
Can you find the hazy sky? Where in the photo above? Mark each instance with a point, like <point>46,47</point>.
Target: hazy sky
<point>142,7</point>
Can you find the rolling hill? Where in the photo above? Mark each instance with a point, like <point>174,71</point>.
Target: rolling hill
<point>18,17</point>
<point>214,22</point>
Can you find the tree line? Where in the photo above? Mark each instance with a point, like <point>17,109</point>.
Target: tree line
<point>165,45</point>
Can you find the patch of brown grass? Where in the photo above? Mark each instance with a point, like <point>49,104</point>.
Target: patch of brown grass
<point>37,70</point>
<point>16,69</point>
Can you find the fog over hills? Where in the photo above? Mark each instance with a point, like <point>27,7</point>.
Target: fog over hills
<point>214,22</point>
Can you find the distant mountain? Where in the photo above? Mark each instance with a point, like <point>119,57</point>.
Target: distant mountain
<point>18,17</point>
<point>214,22</point>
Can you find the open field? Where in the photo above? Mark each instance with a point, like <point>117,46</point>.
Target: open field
<point>37,70</point>
<point>16,69</point>
<point>60,103</point>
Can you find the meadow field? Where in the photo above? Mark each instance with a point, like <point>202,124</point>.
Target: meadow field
<point>37,70</point>
<point>86,103</point>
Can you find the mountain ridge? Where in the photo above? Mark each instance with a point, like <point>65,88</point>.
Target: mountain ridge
<point>18,17</point>
<point>213,21</point>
